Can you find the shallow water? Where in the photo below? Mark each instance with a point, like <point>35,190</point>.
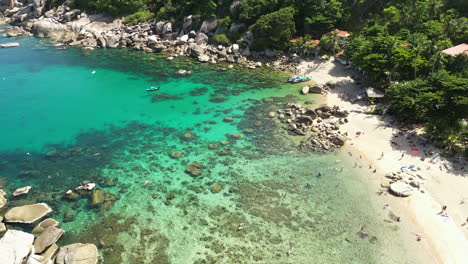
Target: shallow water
<point>103,127</point>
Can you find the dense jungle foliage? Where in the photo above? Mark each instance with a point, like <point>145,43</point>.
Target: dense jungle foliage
<point>396,43</point>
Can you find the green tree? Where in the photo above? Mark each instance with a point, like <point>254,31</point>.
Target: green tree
<point>274,30</point>
<point>419,43</point>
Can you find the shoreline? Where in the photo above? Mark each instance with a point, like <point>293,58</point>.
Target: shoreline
<point>442,241</point>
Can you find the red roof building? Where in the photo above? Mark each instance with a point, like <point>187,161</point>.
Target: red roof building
<point>459,49</point>
<point>340,33</point>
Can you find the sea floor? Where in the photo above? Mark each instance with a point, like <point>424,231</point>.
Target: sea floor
<point>74,116</point>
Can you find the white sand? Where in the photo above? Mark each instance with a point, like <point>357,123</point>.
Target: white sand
<point>443,241</point>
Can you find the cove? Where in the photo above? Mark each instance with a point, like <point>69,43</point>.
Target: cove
<point>85,116</point>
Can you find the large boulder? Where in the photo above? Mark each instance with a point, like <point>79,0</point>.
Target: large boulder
<point>340,140</point>
<point>39,228</point>
<point>201,39</point>
<point>112,40</point>
<point>401,189</point>
<point>315,89</point>
<point>158,27</point>
<point>71,15</point>
<point>98,197</point>
<point>209,26</point>
<point>237,28</point>
<point>167,29</point>
<point>195,50</point>
<point>234,8</point>
<point>21,191</point>
<point>27,214</point>
<point>39,7</point>
<point>77,254</point>
<point>47,238</point>
<point>48,28</point>
<point>15,246</point>
<point>204,58</point>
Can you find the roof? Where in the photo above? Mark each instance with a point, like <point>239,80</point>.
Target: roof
<point>373,93</point>
<point>339,54</point>
<point>462,48</point>
<point>340,33</point>
<point>315,42</point>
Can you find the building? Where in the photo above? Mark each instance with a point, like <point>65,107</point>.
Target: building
<point>342,35</point>
<point>459,49</point>
<point>315,48</point>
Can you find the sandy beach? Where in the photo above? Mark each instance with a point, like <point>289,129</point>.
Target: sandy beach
<point>443,182</point>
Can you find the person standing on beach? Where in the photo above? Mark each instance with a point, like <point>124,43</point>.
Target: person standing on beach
<point>444,208</point>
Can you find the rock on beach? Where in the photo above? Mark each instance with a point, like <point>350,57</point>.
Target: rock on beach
<point>27,214</point>
<point>15,246</point>
<point>77,254</point>
<point>401,189</point>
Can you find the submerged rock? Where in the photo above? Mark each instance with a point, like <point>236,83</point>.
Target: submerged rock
<point>217,99</point>
<point>15,246</point>
<point>188,136</point>
<point>216,188</point>
<point>22,191</point>
<point>177,154</point>
<point>77,254</point>
<point>27,214</point>
<point>97,197</point>
<point>194,169</point>
<point>50,235</point>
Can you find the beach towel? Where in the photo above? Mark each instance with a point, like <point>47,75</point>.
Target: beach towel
<point>444,217</point>
<point>415,150</point>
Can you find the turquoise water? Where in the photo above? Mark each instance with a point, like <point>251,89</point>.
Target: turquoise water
<point>90,108</point>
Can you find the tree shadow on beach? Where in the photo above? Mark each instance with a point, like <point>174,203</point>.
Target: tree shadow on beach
<point>410,143</point>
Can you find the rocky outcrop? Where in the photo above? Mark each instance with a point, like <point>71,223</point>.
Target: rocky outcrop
<point>38,7</point>
<point>49,28</point>
<point>9,45</point>
<point>22,191</point>
<point>27,214</point>
<point>15,246</point>
<point>47,238</point>
<point>77,254</point>
<point>319,125</point>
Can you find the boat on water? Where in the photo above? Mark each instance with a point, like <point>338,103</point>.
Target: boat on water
<point>153,89</point>
<point>298,79</point>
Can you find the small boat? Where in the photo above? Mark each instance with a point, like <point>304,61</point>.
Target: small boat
<point>152,89</point>
<point>298,79</point>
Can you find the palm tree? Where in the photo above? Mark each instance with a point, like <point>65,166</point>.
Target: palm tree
<point>334,41</point>
<point>419,43</point>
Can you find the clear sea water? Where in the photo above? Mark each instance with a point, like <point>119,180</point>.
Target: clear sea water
<point>105,128</point>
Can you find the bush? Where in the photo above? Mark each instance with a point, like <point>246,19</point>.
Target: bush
<point>138,17</point>
<point>113,7</point>
<point>222,40</point>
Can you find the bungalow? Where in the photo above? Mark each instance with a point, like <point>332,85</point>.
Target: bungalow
<point>459,49</point>
<point>314,45</point>
<point>342,35</point>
